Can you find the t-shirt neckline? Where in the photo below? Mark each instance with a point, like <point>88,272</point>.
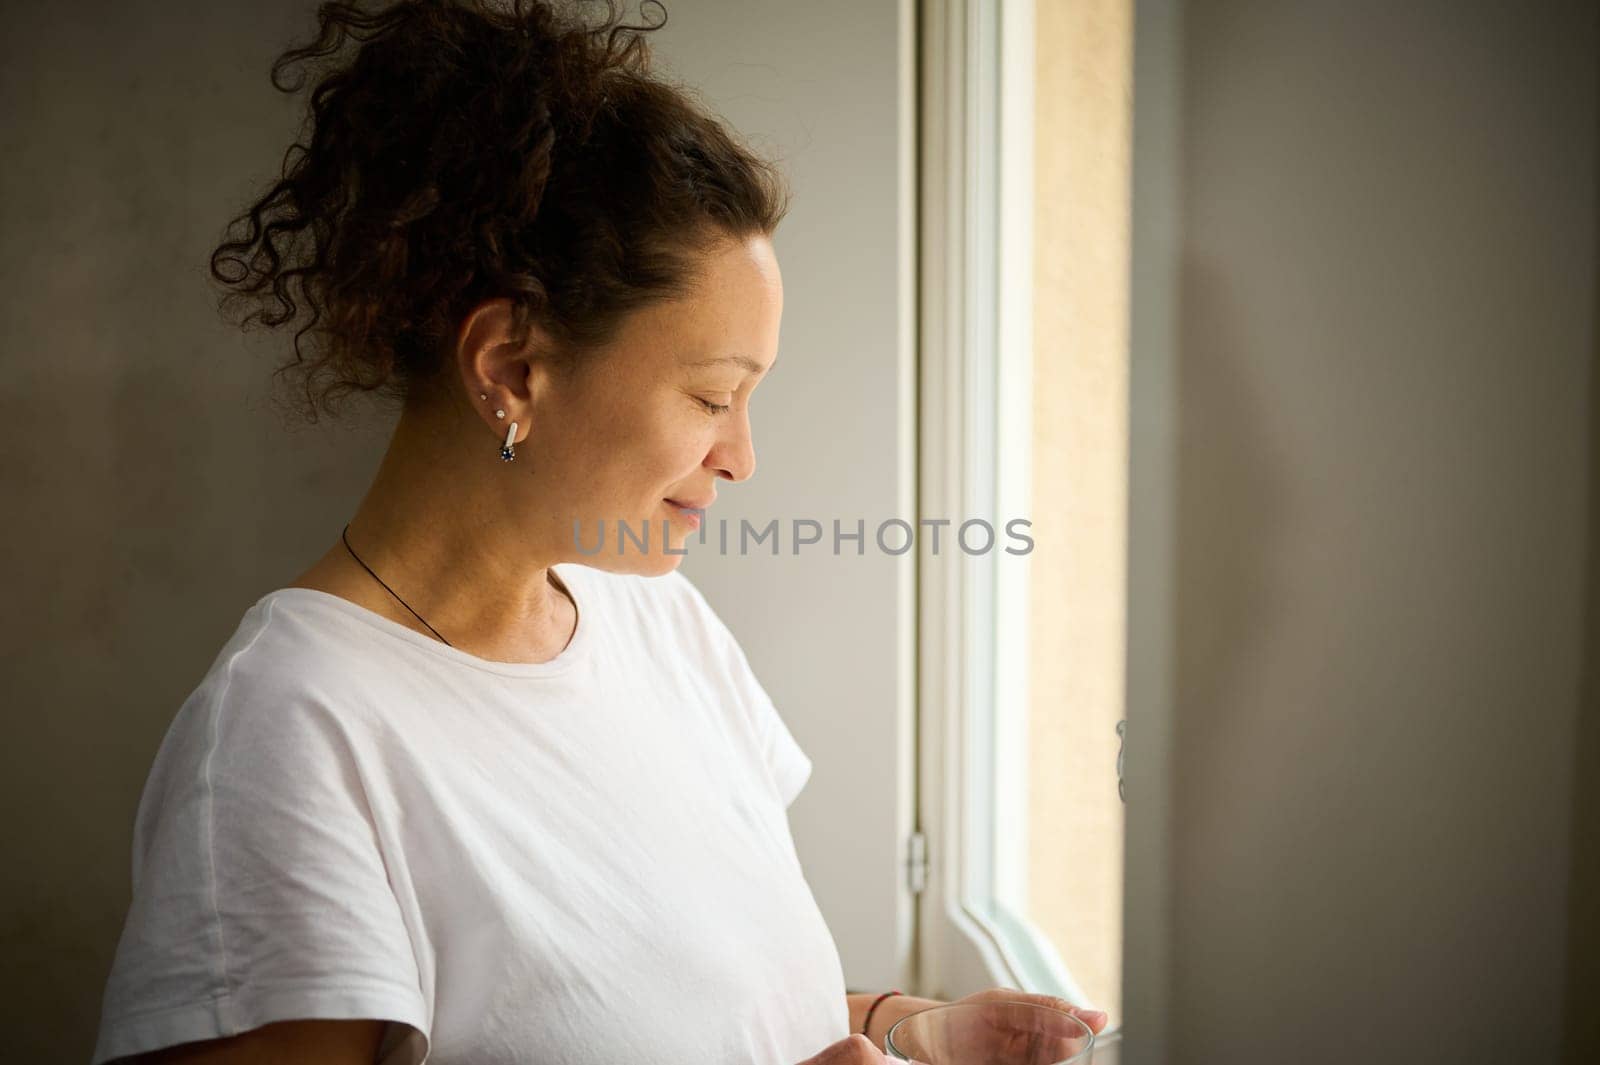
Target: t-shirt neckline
<point>575,651</point>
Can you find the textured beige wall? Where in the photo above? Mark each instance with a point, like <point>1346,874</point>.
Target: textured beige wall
<point>1082,113</point>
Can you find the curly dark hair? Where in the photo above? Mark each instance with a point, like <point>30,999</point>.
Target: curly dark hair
<point>469,151</point>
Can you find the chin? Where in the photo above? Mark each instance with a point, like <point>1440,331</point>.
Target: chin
<point>662,564</point>
<point>655,564</point>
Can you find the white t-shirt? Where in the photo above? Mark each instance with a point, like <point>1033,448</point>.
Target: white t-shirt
<point>572,862</point>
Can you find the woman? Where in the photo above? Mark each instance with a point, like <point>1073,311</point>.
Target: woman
<point>468,789</point>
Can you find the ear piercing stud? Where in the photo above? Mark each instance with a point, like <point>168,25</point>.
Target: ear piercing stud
<point>507,450</point>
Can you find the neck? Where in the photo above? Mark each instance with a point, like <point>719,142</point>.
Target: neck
<point>437,527</point>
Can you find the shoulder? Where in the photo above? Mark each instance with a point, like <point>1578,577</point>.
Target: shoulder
<point>256,732</point>
<point>283,680</point>
<point>295,646</point>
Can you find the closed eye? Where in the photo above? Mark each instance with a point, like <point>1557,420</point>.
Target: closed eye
<point>715,408</point>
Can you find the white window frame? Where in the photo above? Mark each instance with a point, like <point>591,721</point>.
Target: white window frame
<point>959,951</point>
<point>976,274</point>
<point>1155,235</point>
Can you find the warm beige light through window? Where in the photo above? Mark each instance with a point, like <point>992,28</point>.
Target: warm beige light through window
<point>1082,108</point>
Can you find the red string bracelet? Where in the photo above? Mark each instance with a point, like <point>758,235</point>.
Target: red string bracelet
<point>868,1022</point>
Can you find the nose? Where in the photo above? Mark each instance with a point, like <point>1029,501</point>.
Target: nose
<point>733,456</point>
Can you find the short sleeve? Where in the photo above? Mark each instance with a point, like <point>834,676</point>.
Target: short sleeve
<point>787,764</point>
<point>260,891</point>
<point>786,761</point>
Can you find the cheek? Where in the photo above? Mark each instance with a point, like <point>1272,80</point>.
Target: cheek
<point>678,457</point>
<point>654,458</point>
<point>674,443</point>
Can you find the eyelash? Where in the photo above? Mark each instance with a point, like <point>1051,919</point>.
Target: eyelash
<point>715,408</point>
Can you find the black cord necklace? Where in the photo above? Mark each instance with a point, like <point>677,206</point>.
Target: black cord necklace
<point>345,537</point>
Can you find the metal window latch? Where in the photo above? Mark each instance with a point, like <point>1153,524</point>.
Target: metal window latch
<point>917,863</point>
<point>1122,743</point>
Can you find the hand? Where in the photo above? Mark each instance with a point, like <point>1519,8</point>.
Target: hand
<point>1001,1029</point>
<point>1095,1019</point>
<point>852,1050</point>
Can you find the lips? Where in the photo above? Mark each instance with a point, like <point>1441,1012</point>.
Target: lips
<point>688,504</point>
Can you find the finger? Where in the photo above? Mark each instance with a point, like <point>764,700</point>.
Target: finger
<point>1021,1013</point>
<point>863,1051</point>
<point>855,1050</point>
<point>1095,1019</point>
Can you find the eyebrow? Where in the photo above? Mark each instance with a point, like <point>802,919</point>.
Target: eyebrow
<point>744,361</point>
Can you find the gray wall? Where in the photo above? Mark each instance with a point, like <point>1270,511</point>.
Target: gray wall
<point>156,495</point>
<point>1581,1024</point>
<point>1385,300</point>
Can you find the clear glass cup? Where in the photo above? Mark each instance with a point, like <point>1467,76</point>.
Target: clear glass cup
<point>991,1033</point>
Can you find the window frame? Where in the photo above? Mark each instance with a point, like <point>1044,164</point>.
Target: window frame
<point>975,275</point>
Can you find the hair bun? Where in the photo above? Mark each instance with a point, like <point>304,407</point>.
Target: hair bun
<point>465,151</point>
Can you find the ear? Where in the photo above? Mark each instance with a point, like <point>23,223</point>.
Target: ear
<point>492,360</point>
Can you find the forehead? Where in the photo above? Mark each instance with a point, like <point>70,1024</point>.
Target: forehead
<point>736,362</point>
<point>736,286</point>
<point>748,264</point>
<point>727,321</point>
